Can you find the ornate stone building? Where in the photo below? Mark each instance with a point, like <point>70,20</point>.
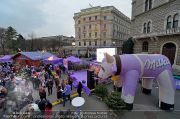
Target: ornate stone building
<point>155,27</point>
<point>100,27</point>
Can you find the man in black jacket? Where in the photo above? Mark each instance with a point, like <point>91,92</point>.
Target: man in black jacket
<point>50,86</point>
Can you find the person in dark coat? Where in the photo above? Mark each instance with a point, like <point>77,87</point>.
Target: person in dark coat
<point>42,93</point>
<point>50,86</point>
<point>57,81</point>
<point>59,93</point>
<point>79,89</point>
<point>42,105</point>
<point>70,82</point>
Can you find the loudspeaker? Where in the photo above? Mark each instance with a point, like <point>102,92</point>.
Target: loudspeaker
<point>90,79</point>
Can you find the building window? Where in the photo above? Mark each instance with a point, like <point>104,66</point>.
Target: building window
<point>84,43</point>
<point>84,35</point>
<point>146,5</point>
<point>84,19</point>
<point>105,17</point>
<point>90,26</point>
<point>79,21</point>
<point>89,18</point>
<point>104,26</point>
<point>114,26</point>
<point>79,29</point>
<point>104,43</point>
<point>79,36</point>
<point>95,26</point>
<point>95,43</point>
<point>145,46</point>
<point>104,34</point>
<point>150,4</point>
<point>175,20</point>
<point>114,32</point>
<point>144,28</point>
<point>89,43</point>
<point>84,27</point>
<point>148,27</point>
<point>95,34</point>
<point>79,43</point>
<point>95,17</point>
<point>168,22</point>
<point>89,34</point>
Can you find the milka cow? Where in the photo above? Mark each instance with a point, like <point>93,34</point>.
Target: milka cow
<point>132,67</point>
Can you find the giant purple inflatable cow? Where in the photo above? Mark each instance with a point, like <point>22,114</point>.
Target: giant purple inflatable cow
<point>132,67</point>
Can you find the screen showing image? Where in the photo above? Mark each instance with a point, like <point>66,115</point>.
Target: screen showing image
<point>100,53</point>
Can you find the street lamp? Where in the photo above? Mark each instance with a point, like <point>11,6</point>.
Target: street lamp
<point>73,43</point>
<point>114,43</point>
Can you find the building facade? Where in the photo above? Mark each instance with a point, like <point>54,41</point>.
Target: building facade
<point>155,27</point>
<point>101,27</point>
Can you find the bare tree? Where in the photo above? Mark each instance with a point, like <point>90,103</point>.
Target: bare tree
<point>2,40</point>
<point>32,36</point>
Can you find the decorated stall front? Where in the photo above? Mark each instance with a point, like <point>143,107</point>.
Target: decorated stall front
<point>30,58</point>
<point>53,60</point>
<point>75,64</point>
<point>132,67</point>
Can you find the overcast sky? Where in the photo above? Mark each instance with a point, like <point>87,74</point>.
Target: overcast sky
<point>49,17</point>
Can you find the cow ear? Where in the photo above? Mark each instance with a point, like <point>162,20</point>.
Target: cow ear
<point>109,58</point>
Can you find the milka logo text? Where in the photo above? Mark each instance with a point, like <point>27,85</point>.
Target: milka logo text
<point>153,64</point>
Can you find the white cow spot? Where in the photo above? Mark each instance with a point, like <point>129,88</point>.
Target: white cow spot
<point>129,98</point>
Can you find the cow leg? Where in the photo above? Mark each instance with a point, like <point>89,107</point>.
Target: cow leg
<point>129,88</point>
<point>147,85</point>
<point>166,90</point>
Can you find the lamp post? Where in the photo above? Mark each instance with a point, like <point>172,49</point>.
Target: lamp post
<point>114,43</point>
<point>73,43</point>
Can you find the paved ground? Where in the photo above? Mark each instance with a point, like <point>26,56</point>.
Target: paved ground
<point>145,106</point>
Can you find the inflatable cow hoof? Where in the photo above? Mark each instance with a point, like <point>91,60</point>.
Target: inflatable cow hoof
<point>146,91</point>
<point>119,89</point>
<point>165,106</point>
<point>129,106</point>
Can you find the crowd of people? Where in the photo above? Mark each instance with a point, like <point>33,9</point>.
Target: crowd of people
<point>16,80</point>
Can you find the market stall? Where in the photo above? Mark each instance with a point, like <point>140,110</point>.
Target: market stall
<point>53,60</point>
<point>6,58</point>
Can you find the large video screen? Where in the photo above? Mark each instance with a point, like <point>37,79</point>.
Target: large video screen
<point>100,53</point>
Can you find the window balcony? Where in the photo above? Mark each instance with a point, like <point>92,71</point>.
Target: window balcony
<point>168,32</point>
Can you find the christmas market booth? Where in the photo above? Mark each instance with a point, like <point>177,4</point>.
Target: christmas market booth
<point>30,58</point>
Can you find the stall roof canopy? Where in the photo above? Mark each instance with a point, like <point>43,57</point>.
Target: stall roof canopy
<point>53,59</point>
<point>6,58</point>
<point>73,59</point>
<point>35,55</point>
